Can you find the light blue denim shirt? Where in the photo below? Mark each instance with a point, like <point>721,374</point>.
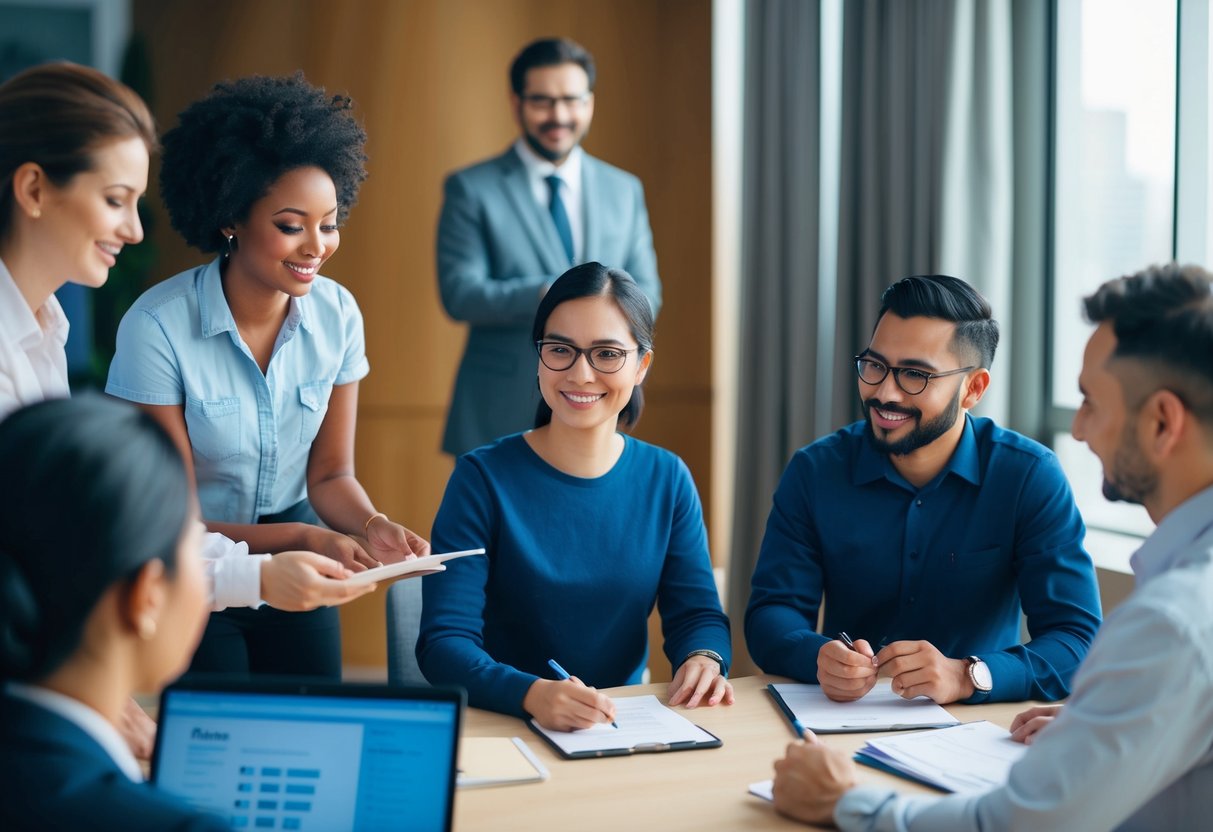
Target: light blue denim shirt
<point>251,433</point>
<point>1133,748</point>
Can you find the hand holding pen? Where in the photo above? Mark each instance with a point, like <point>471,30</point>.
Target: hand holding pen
<point>846,669</point>
<point>567,704</point>
<point>563,675</point>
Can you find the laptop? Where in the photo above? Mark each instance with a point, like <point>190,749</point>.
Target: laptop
<point>316,757</point>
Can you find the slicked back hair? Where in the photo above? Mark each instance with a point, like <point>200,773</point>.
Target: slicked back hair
<point>947,298</point>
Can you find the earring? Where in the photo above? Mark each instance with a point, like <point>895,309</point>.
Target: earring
<point>229,237</point>
<point>36,213</point>
<point>147,628</point>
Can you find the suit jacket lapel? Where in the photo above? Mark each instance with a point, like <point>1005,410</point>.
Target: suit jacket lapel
<point>537,223</point>
<point>590,219</point>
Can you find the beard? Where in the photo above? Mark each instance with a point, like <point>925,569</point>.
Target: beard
<point>544,152</point>
<point>1130,479</point>
<point>923,433</point>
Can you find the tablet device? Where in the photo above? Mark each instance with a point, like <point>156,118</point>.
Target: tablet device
<point>405,567</point>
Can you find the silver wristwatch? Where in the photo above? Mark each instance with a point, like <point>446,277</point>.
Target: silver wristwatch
<point>979,674</point>
<point>711,654</point>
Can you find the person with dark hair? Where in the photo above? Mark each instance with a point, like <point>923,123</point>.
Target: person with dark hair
<point>511,224</point>
<point>585,529</point>
<point>252,361</point>
<point>91,611</point>
<point>1130,749</point>
<point>929,531</point>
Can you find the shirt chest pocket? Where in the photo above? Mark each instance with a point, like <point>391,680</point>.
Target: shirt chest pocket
<point>313,404</point>
<point>214,427</point>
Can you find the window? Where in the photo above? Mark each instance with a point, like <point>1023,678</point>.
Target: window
<point>1132,185</point>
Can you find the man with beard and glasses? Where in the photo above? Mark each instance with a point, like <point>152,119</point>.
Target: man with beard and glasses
<point>1131,749</point>
<point>928,531</point>
<point>514,223</point>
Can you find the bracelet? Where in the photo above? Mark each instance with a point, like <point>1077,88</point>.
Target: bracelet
<point>366,527</point>
<point>711,654</point>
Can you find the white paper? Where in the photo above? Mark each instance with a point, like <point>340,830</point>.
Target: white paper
<point>642,720</point>
<point>404,567</point>
<point>763,789</point>
<point>969,758</point>
<point>880,710</point>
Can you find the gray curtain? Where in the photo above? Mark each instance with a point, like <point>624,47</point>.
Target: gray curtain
<point>779,268</point>
<point>924,186</point>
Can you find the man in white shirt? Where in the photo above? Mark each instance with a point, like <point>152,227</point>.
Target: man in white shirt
<point>1132,749</point>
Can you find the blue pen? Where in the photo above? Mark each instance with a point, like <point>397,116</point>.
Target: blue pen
<point>564,674</point>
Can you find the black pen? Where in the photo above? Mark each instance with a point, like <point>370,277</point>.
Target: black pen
<point>846,639</point>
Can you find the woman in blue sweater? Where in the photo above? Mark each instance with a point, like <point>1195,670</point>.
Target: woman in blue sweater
<point>586,529</point>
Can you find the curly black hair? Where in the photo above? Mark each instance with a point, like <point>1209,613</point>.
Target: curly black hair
<point>231,146</point>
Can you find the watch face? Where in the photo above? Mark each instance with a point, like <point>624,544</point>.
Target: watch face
<point>979,673</point>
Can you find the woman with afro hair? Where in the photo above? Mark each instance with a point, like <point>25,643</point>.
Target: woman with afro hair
<point>251,362</point>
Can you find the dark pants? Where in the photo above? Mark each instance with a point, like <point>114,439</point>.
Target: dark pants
<point>245,641</point>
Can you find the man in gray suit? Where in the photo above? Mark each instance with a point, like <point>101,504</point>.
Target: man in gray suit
<point>512,224</point>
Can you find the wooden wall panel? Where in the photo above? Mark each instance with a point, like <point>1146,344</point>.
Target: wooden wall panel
<point>429,81</point>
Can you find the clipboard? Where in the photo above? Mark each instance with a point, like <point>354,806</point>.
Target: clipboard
<point>880,710</point>
<point>712,741</point>
<point>646,727</point>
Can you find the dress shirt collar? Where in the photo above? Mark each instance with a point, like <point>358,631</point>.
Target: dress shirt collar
<point>965,461</point>
<point>539,168</point>
<point>1187,523</point>
<point>215,315</point>
<point>87,720</point>
<point>25,328</point>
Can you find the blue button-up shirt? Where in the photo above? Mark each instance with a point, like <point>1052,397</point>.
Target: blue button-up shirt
<point>251,433</point>
<point>1133,748</point>
<point>953,562</point>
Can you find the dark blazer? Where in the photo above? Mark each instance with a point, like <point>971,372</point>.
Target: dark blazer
<point>53,775</point>
<point>496,249</point>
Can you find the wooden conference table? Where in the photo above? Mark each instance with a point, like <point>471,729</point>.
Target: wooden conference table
<point>705,789</point>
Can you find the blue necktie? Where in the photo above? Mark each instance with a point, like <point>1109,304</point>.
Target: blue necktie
<point>560,216</point>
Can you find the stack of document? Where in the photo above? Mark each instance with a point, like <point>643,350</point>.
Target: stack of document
<point>969,758</point>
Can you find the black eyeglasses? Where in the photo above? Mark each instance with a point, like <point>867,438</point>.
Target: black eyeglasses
<point>558,356</point>
<point>547,102</point>
<point>909,379</point>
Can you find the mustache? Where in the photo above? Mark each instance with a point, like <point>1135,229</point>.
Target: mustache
<point>868,404</point>
<point>555,125</point>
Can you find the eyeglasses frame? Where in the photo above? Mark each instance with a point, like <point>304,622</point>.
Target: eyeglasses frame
<point>897,371</point>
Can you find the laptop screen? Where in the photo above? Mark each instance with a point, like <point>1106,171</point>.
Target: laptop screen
<point>296,756</point>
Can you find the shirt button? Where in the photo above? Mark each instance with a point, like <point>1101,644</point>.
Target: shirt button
<point>911,600</point>
<point>918,503</point>
<point>913,556</point>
